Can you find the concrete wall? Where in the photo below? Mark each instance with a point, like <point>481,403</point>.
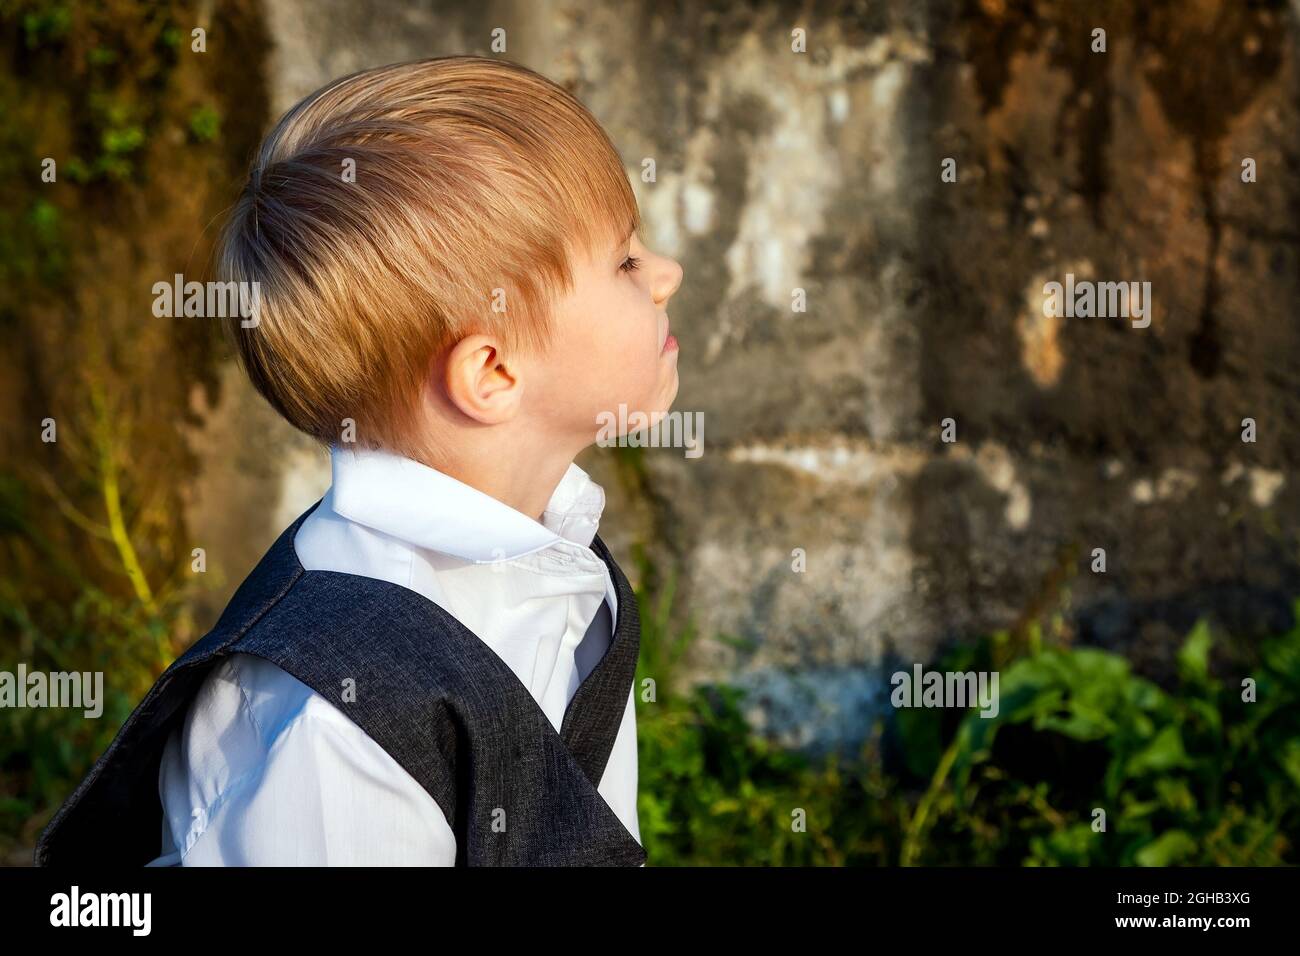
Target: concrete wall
<point>821,171</point>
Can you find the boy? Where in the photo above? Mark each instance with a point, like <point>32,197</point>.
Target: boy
<point>433,665</point>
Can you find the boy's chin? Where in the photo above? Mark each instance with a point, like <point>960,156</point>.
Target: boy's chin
<point>625,420</point>
<point>662,402</point>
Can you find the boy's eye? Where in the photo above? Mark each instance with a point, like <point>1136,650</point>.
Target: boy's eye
<point>630,264</point>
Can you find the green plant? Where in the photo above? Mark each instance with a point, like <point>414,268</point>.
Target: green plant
<point>1201,775</point>
<point>1195,775</point>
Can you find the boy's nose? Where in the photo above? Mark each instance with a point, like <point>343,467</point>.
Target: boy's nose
<point>667,280</point>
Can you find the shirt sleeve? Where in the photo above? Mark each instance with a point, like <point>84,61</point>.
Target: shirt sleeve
<point>291,781</point>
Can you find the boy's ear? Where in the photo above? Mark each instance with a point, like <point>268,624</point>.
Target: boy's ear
<point>482,381</point>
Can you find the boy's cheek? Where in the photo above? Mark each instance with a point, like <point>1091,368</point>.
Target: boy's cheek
<point>607,375</point>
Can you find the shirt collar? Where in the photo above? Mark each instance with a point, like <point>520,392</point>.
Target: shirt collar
<point>413,502</point>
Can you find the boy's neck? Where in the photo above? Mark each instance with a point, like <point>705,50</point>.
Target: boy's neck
<point>521,477</point>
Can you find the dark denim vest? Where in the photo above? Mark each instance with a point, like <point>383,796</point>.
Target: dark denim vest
<point>428,690</point>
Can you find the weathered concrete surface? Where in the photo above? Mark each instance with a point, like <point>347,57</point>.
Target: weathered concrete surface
<point>1122,166</point>
<point>821,171</point>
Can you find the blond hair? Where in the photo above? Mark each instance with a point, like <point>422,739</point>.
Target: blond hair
<point>476,182</point>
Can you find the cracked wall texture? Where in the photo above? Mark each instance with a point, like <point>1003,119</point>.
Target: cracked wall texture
<point>822,429</point>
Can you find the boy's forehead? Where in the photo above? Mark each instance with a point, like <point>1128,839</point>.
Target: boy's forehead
<point>608,242</point>
<point>615,231</point>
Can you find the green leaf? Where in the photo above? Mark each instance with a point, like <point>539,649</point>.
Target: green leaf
<point>123,140</point>
<point>1164,752</point>
<point>1081,723</point>
<point>205,124</point>
<point>1289,758</point>
<point>1194,657</point>
<point>1168,849</point>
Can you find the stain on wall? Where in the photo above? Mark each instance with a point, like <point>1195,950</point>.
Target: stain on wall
<point>821,171</point>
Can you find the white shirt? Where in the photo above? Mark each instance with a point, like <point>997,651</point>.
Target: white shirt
<point>264,771</point>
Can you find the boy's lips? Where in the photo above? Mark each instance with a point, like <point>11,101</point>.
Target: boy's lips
<point>670,341</point>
